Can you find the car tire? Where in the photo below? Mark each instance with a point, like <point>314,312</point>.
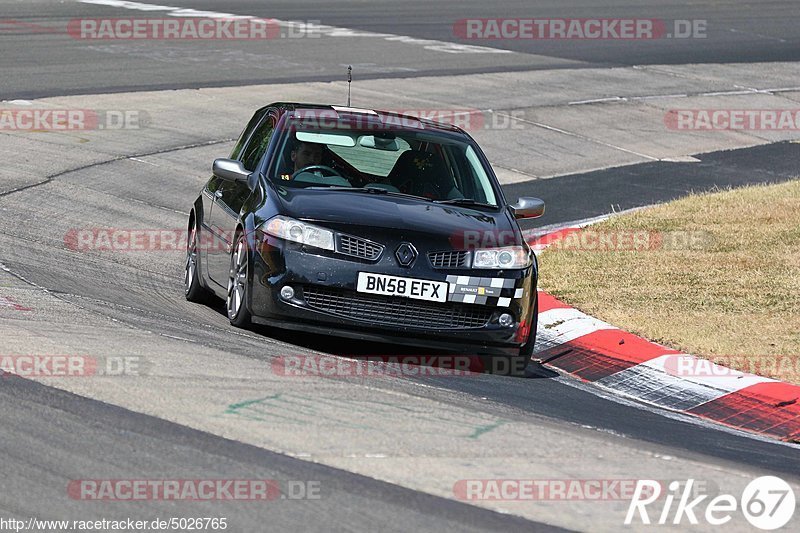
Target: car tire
<point>192,286</point>
<point>238,286</point>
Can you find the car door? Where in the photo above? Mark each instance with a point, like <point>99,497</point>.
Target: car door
<point>231,196</point>
<point>210,240</point>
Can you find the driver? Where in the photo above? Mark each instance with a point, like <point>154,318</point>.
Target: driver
<point>305,154</point>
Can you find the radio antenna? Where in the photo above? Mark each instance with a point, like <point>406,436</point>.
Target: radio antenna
<point>349,81</point>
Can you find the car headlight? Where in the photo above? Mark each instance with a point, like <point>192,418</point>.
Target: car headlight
<point>506,257</point>
<point>294,230</point>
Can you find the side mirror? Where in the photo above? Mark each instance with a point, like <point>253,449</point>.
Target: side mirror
<point>527,207</point>
<point>230,170</point>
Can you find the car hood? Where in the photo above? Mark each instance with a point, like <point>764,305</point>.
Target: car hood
<point>373,214</point>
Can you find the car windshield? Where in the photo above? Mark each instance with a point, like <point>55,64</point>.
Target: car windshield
<point>401,157</point>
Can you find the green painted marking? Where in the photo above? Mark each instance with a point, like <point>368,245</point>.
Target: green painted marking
<point>297,410</point>
<point>480,430</point>
<point>304,411</point>
<point>232,408</point>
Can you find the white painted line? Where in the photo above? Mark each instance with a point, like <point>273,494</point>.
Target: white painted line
<point>142,161</point>
<point>578,135</point>
<point>784,90</point>
<point>681,159</point>
<point>657,96</point>
<point>761,35</point>
<point>309,27</point>
<point>529,234</point>
<point>742,91</point>
<point>598,100</point>
<point>727,93</point>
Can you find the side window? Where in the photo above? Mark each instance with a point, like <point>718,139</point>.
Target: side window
<point>254,121</point>
<point>258,144</point>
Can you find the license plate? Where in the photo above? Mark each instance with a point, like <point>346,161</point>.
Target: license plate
<point>419,289</point>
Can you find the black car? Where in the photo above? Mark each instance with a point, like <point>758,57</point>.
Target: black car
<point>366,224</point>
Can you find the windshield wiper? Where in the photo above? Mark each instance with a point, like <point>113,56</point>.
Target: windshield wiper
<point>465,201</point>
<point>372,190</point>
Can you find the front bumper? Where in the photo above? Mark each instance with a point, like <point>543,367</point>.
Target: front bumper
<point>325,301</point>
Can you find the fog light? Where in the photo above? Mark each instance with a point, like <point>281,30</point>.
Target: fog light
<point>287,293</point>
<point>506,320</point>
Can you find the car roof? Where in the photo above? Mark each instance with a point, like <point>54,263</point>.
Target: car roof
<point>361,115</point>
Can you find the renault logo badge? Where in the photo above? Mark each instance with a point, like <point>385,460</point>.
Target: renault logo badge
<point>405,254</point>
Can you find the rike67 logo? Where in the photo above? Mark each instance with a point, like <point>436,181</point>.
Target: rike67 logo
<point>767,503</point>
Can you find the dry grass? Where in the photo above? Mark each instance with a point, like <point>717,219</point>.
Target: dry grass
<point>734,295</point>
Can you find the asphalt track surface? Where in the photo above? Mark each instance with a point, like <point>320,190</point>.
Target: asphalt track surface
<point>593,194</point>
<point>146,444</point>
<point>41,59</point>
<point>50,436</point>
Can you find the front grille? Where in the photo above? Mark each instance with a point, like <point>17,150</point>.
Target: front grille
<point>448,259</point>
<point>359,247</point>
<point>398,311</point>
